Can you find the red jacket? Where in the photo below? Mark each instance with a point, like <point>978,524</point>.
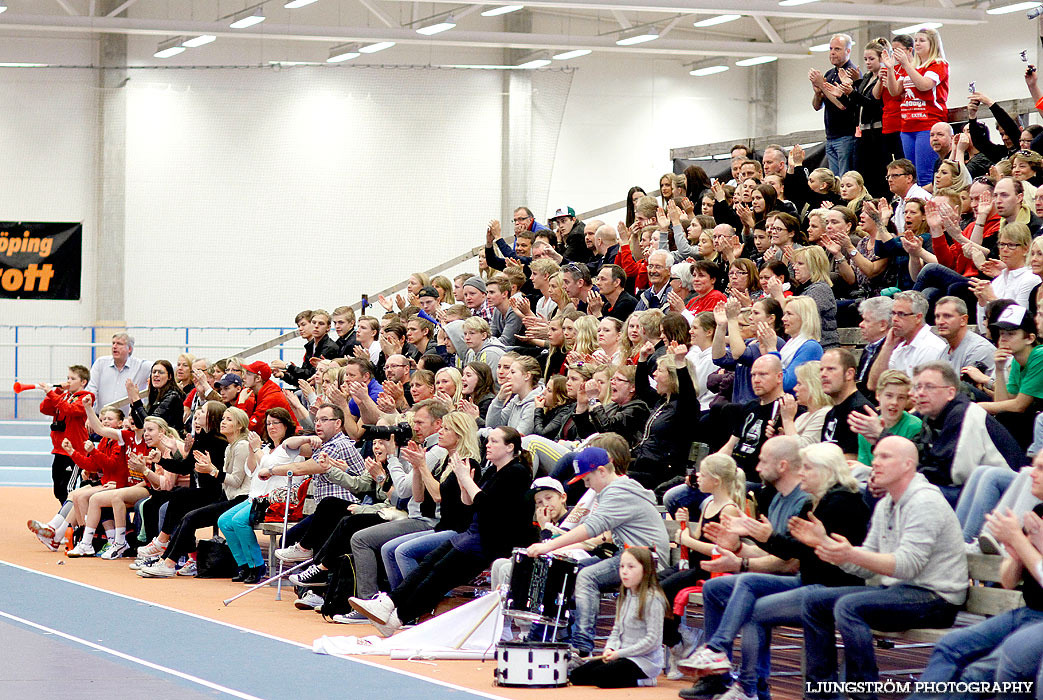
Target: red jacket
<point>63,407</point>
<point>951,254</point>
<point>706,302</point>
<point>109,459</point>
<point>637,272</point>
<point>268,396</point>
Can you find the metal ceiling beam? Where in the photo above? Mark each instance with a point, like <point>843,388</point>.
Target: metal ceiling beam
<point>384,18</point>
<point>121,8</point>
<point>769,31</point>
<point>328,34</point>
<point>766,8</point>
<point>69,9</point>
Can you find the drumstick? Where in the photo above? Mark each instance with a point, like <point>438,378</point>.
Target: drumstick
<point>476,626</point>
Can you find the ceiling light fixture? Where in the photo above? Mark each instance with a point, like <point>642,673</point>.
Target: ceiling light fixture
<point>437,28</point>
<point>708,70</point>
<point>533,60</point>
<point>819,48</point>
<point>3,7</point>
<point>294,4</point>
<point>197,41</point>
<point>343,52</point>
<point>756,61</point>
<point>247,18</point>
<point>502,10</point>
<point>638,37</point>
<point>791,3</point>
<point>719,19</point>
<point>1007,9</point>
<point>575,53</point>
<point>913,28</point>
<point>379,46</point>
<point>170,47</point>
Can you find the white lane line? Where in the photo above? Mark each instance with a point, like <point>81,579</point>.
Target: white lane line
<point>352,659</point>
<point>136,661</point>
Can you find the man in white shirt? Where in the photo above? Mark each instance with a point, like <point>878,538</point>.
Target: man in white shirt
<point>109,374</point>
<point>910,342</point>
<point>901,179</point>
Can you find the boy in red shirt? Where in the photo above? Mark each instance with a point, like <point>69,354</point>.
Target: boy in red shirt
<point>69,421</point>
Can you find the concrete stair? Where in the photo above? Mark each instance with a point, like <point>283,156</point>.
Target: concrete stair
<point>25,453</point>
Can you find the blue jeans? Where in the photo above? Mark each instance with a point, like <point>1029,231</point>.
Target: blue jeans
<point>682,496</point>
<point>235,524</point>
<point>981,492</point>
<point>977,652</point>
<point>917,147</point>
<point>402,555</point>
<point>840,154</point>
<point>855,611</point>
<point>755,604</point>
<point>590,582</point>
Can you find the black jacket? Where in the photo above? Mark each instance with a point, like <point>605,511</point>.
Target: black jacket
<point>939,437</point>
<point>170,408</point>
<point>667,436</point>
<point>627,420</point>
<point>212,445</point>
<point>550,423</point>
<point>326,348</point>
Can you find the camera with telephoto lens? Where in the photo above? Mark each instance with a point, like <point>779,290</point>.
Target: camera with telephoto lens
<point>402,432</point>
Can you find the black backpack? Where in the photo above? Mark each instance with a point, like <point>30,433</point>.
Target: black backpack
<point>340,587</point>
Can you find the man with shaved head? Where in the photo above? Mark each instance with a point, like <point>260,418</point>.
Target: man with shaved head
<point>916,547</point>
<point>751,429</point>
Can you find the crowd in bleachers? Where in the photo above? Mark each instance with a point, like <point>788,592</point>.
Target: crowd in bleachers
<point>689,363</point>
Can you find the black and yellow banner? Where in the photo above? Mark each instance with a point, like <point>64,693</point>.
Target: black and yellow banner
<point>40,260</point>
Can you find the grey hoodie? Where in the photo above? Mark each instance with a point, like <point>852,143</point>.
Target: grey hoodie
<point>455,331</point>
<point>922,532</point>
<point>490,353</point>
<point>629,510</point>
<point>519,413</point>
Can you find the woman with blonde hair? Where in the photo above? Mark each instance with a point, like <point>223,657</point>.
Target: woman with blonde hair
<point>183,371</point>
<point>760,602</point>
<point>811,275</point>
<point>922,79</point>
<point>444,286</point>
<point>234,483</point>
<point>807,393</point>
<point>449,386</point>
<point>586,343</point>
<point>800,321</point>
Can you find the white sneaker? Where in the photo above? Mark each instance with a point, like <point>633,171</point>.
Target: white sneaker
<point>141,562</point>
<point>84,549</point>
<point>42,530</point>
<point>379,608</point>
<point>295,553</point>
<point>115,551</point>
<point>390,627</point>
<point>309,601</point>
<point>157,570</point>
<point>706,659</point>
<point>152,549</point>
<point>735,693</point>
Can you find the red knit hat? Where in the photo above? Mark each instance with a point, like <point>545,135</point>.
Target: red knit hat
<point>259,368</point>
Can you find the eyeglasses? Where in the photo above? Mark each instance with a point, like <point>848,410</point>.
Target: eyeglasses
<point>904,314</point>
<point>325,420</point>
<point>892,176</point>
<point>923,388</point>
<point>519,220</point>
<point>1009,246</point>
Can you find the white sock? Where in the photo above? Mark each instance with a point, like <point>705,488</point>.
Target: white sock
<point>88,534</point>
<point>57,523</point>
<point>121,535</point>
<point>110,535</point>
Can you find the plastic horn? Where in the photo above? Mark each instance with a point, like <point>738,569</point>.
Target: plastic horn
<point>285,521</point>
<point>267,582</point>
<point>19,387</point>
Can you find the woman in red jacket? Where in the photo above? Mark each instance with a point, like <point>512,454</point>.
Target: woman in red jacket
<point>69,421</point>
<point>924,84</point>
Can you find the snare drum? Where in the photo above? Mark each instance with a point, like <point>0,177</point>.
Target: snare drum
<point>531,665</point>
<point>540,588</point>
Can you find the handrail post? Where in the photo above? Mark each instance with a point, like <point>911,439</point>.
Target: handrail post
<point>16,369</point>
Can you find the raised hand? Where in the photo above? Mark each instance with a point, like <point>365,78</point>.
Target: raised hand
<point>67,445</point>
<point>382,300</point>
<point>132,391</point>
<point>646,351</point>
<point>720,313</point>
<point>796,156</point>
<point>810,532</point>
<point>866,423</point>
<point>674,300</point>
<point>789,407</point>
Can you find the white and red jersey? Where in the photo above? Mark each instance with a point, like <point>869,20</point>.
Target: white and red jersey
<point>922,109</point>
<point>132,443</point>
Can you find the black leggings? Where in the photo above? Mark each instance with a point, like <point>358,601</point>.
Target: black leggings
<point>617,673</point>
<point>183,541</point>
<point>61,472</point>
<point>324,520</point>
<point>182,502</point>
<point>440,571</point>
<point>673,583</point>
<point>339,541</point>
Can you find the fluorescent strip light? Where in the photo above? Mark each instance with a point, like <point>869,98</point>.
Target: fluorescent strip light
<point>819,48</point>
<point>24,65</point>
<point>3,7</point>
<point>294,4</point>
<point>196,42</point>
<point>168,52</point>
<point>756,61</point>
<point>535,63</point>
<point>437,28</point>
<point>651,35</point>
<point>575,53</point>
<point>1016,7</point>
<point>379,46</point>
<point>708,70</point>
<point>290,64</point>
<point>502,10</point>
<point>791,3</point>
<point>344,52</point>
<point>913,28</point>
<point>247,18</point>
<point>719,19</point>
